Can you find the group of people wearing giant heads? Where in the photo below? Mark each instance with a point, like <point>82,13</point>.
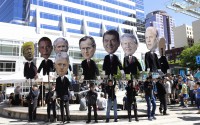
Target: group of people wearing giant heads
<point>87,45</point>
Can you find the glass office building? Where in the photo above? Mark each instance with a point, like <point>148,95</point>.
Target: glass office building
<point>164,23</point>
<point>87,17</point>
<point>71,19</point>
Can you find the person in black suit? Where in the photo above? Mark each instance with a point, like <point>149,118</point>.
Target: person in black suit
<point>30,70</point>
<point>51,103</point>
<point>151,58</point>
<point>45,48</point>
<point>131,100</point>
<point>161,92</point>
<point>111,62</point>
<point>129,44</point>
<point>87,46</point>
<point>63,84</point>
<point>92,100</point>
<point>61,45</point>
<point>32,102</point>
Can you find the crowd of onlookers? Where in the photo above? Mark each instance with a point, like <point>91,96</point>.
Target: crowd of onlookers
<point>168,90</point>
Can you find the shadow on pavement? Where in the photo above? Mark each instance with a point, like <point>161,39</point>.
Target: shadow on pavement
<point>190,118</point>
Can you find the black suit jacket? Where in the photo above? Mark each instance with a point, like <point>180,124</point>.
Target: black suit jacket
<point>131,67</point>
<point>62,87</point>
<point>160,89</point>
<point>47,66</point>
<point>164,64</point>
<point>111,67</point>
<point>30,72</point>
<point>151,61</point>
<point>91,71</point>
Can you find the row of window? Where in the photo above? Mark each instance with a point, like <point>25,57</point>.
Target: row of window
<point>76,21</point>
<point>78,11</point>
<point>7,66</point>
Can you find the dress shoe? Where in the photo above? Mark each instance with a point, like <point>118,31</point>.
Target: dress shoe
<point>48,120</point>
<point>95,121</point>
<point>88,122</point>
<point>107,120</point>
<point>129,120</point>
<point>115,120</point>
<point>55,120</point>
<point>164,113</point>
<point>136,119</point>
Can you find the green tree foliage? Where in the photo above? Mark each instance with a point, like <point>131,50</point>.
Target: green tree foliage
<point>188,57</point>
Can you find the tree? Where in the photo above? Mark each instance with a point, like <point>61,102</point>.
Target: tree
<point>188,57</point>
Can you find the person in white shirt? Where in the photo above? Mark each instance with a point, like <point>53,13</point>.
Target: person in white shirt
<point>191,85</point>
<point>168,89</point>
<point>101,102</point>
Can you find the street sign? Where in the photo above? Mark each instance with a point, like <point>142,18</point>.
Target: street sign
<point>198,59</point>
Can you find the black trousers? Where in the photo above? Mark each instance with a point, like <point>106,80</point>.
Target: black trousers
<point>32,112</point>
<point>89,112</point>
<point>51,106</point>
<point>66,106</point>
<point>129,108</point>
<point>163,103</point>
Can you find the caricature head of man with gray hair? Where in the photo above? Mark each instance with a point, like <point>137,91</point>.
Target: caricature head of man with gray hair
<point>129,44</point>
<point>151,37</point>
<point>61,63</point>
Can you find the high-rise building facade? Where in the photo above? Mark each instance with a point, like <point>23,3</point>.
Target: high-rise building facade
<point>196,31</point>
<point>183,36</point>
<point>71,19</point>
<point>87,17</point>
<point>164,24</point>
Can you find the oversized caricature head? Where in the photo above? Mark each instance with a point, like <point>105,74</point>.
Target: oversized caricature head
<point>60,45</point>
<point>111,41</point>
<point>61,63</point>
<point>151,36</point>
<point>87,46</point>
<point>28,50</point>
<point>162,46</point>
<point>45,47</point>
<point>129,44</point>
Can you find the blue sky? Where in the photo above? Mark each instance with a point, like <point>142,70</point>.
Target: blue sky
<point>152,5</point>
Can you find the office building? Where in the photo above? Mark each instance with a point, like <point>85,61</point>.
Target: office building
<point>183,36</point>
<point>164,23</point>
<point>196,31</point>
<point>29,20</point>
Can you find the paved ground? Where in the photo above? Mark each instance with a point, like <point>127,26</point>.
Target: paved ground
<point>178,116</point>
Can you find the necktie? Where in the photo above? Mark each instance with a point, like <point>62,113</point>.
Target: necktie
<point>29,65</point>
<point>88,62</point>
<point>130,59</point>
<point>111,58</point>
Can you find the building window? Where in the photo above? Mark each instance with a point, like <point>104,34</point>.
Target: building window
<point>7,66</point>
<point>11,50</point>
